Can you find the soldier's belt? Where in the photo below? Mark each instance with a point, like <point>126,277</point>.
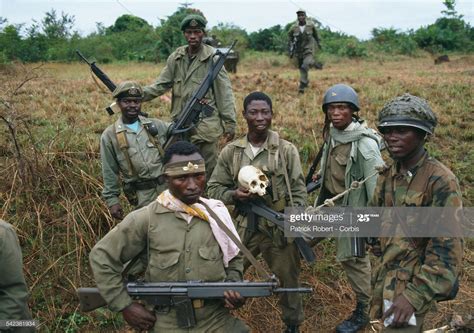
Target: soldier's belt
<point>146,184</point>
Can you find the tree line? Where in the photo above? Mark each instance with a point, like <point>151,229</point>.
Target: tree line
<point>132,38</point>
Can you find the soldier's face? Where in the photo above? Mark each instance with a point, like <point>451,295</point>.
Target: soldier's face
<point>194,37</point>
<point>258,116</point>
<point>301,18</point>
<point>187,188</point>
<point>130,107</point>
<point>403,141</point>
<point>340,115</point>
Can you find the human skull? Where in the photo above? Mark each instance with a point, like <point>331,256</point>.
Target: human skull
<point>253,179</point>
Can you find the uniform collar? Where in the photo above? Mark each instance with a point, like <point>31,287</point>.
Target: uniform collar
<point>270,143</point>
<point>412,172</point>
<point>203,54</point>
<point>120,126</point>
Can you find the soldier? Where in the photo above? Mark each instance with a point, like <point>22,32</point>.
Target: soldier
<point>278,159</point>
<point>184,71</point>
<point>350,153</point>
<point>183,243</point>
<point>132,148</point>
<point>13,289</point>
<point>302,38</point>
<point>413,273</point>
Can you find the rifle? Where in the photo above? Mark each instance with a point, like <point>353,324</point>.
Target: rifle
<point>292,46</point>
<point>181,295</point>
<point>255,209</point>
<point>193,111</point>
<point>105,80</point>
<point>310,184</point>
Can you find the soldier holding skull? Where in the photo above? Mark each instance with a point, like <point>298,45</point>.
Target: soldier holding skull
<point>279,160</point>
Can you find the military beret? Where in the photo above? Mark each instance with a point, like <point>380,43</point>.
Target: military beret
<point>128,89</point>
<point>193,21</point>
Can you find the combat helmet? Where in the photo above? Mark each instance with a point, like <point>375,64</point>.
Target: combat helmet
<point>341,93</point>
<point>408,110</point>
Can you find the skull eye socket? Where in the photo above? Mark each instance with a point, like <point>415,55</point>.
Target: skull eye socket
<point>262,178</point>
<point>262,185</point>
<point>253,183</point>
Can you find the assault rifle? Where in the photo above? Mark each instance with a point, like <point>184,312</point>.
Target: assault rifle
<point>256,209</point>
<point>180,295</point>
<point>105,80</point>
<point>292,46</point>
<point>311,185</point>
<point>195,110</point>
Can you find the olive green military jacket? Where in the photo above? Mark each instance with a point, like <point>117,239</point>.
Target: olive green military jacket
<point>238,154</point>
<point>184,78</point>
<point>424,270</point>
<point>177,251</point>
<point>305,42</point>
<point>13,289</point>
<point>144,156</point>
<point>363,158</point>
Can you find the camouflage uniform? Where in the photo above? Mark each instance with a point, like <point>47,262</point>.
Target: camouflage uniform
<point>13,289</point>
<point>140,174</point>
<point>183,75</point>
<point>423,270</point>
<point>280,254</point>
<point>177,251</point>
<point>400,270</point>
<point>306,42</point>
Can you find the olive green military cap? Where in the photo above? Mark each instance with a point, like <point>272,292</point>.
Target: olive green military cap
<point>193,21</point>
<point>301,11</point>
<point>128,89</point>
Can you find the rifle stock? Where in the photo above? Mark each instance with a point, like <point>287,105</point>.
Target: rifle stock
<point>90,299</point>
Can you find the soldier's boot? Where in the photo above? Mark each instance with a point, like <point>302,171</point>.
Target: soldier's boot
<point>292,329</point>
<point>302,87</point>
<point>357,321</point>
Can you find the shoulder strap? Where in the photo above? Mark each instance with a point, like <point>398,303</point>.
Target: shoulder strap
<point>123,144</point>
<point>261,271</point>
<point>237,161</point>
<point>154,139</point>
<point>285,172</point>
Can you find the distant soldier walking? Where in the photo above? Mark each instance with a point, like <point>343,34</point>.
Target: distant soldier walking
<point>302,41</point>
<point>131,152</point>
<point>413,273</point>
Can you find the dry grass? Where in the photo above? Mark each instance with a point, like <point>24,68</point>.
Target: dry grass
<point>50,184</point>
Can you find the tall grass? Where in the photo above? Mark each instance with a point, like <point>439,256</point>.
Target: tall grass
<point>50,182</point>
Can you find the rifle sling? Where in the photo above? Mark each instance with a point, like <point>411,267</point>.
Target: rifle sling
<point>261,271</point>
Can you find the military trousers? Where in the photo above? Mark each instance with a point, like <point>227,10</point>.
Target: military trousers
<point>284,263</point>
<point>358,273</point>
<point>209,152</point>
<point>304,64</point>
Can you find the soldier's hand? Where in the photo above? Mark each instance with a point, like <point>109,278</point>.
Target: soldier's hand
<point>241,194</point>
<point>138,317</point>
<point>402,311</point>
<point>116,211</point>
<point>376,250</point>
<point>233,300</point>
<point>315,177</point>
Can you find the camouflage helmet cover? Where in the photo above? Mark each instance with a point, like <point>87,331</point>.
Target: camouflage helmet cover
<point>341,93</point>
<point>128,89</point>
<point>408,110</point>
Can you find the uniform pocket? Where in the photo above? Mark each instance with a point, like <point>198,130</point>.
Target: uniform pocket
<point>341,159</point>
<point>211,267</point>
<point>162,266</point>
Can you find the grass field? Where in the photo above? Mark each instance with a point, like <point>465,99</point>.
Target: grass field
<point>51,118</point>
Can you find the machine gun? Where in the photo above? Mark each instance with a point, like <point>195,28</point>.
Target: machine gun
<point>182,295</point>
<point>256,209</point>
<point>194,110</point>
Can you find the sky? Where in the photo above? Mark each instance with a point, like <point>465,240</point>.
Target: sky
<point>352,17</point>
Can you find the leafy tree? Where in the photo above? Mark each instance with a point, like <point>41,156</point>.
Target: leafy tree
<point>226,33</point>
<point>128,23</point>
<point>55,27</point>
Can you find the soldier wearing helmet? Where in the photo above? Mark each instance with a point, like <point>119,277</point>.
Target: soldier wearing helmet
<point>302,40</point>
<point>413,273</point>
<point>350,153</point>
